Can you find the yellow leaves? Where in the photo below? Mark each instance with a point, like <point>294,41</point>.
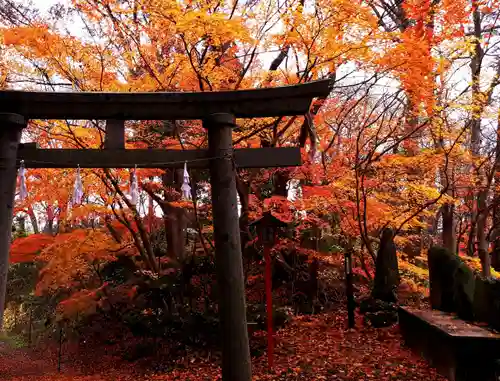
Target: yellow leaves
<point>83,132</point>
<point>342,30</point>
<point>443,64</point>
<point>418,272</point>
<point>419,193</point>
<point>54,50</point>
<point>475,264</point>
<point>216,27</point>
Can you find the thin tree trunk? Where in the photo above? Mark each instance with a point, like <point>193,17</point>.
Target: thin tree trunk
<point>448,234</point>
<point>478,215</point>
<point>21,220</point>
<point>481,234</point>
<point>49,227</point>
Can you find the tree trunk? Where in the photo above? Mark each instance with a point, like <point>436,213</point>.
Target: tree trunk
<point>481,235</point>
<point>236,361</point>
<point>21,220</point>
<point>448,234</point>
<point>475,123</point>
<point>49,226</point>
<point>175,218</point>
<point>280,181</point>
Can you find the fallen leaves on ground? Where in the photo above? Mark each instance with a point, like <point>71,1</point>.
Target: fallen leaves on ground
<point>310,348</point>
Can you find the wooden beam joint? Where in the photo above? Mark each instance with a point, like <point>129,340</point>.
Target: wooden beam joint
<point>115,134</point>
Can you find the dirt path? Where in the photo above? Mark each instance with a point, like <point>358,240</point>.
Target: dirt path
<point>19,363</point>
<point>26,365</point>
<point>309,349</point>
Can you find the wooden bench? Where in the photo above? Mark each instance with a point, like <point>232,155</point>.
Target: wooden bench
<point>458,350</point>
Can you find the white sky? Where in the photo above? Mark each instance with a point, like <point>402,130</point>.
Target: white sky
<point>44,4</point>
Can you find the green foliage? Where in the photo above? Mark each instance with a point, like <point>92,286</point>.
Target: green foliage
<point>22,281</point>
<point>119,271</point>
<point>13,341</point>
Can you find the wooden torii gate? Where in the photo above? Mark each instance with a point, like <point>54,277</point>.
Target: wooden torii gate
<point>218,111</point>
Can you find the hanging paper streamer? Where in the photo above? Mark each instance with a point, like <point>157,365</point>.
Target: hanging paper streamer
<point>78,188</point>
<point>134,188</point>
<point>186,188</point>
<point>23,192</point>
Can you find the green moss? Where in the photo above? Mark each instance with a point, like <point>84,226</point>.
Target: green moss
<point>452,283</point>
<point>13,341</point>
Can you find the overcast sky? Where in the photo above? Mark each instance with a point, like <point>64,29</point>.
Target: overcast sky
<point>44,4</point>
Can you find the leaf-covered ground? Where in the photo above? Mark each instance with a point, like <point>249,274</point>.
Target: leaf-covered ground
<point>310,348</point>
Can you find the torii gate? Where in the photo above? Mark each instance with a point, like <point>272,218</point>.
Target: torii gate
<point>218,111</point>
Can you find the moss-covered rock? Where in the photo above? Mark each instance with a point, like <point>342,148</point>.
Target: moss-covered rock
<point>386,269</point>
<point>452,283</point>
<point>464,285</point>
<point>487,302</point>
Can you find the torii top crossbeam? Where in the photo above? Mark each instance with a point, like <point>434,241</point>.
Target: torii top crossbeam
<point>115,108</point>
<point>266,102</point>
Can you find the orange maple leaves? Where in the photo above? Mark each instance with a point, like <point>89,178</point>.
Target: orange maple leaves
<point>26,249</point>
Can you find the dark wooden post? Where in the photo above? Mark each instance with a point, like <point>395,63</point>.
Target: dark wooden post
<point>349,288</point>
<point>236,364</point>
<point>269,304</point>
<point>11,126</point>
<point>59,352</point>
<point>115,134</point>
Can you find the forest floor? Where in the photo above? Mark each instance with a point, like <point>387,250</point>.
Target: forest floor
<point>309,348</point>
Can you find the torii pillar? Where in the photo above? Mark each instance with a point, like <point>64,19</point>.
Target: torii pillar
<point>11,126</point>
<point>236,363</point>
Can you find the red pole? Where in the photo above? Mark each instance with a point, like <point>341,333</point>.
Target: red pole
<point>150,215</point>
<point>150,211</point>
<point>269,305</point>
